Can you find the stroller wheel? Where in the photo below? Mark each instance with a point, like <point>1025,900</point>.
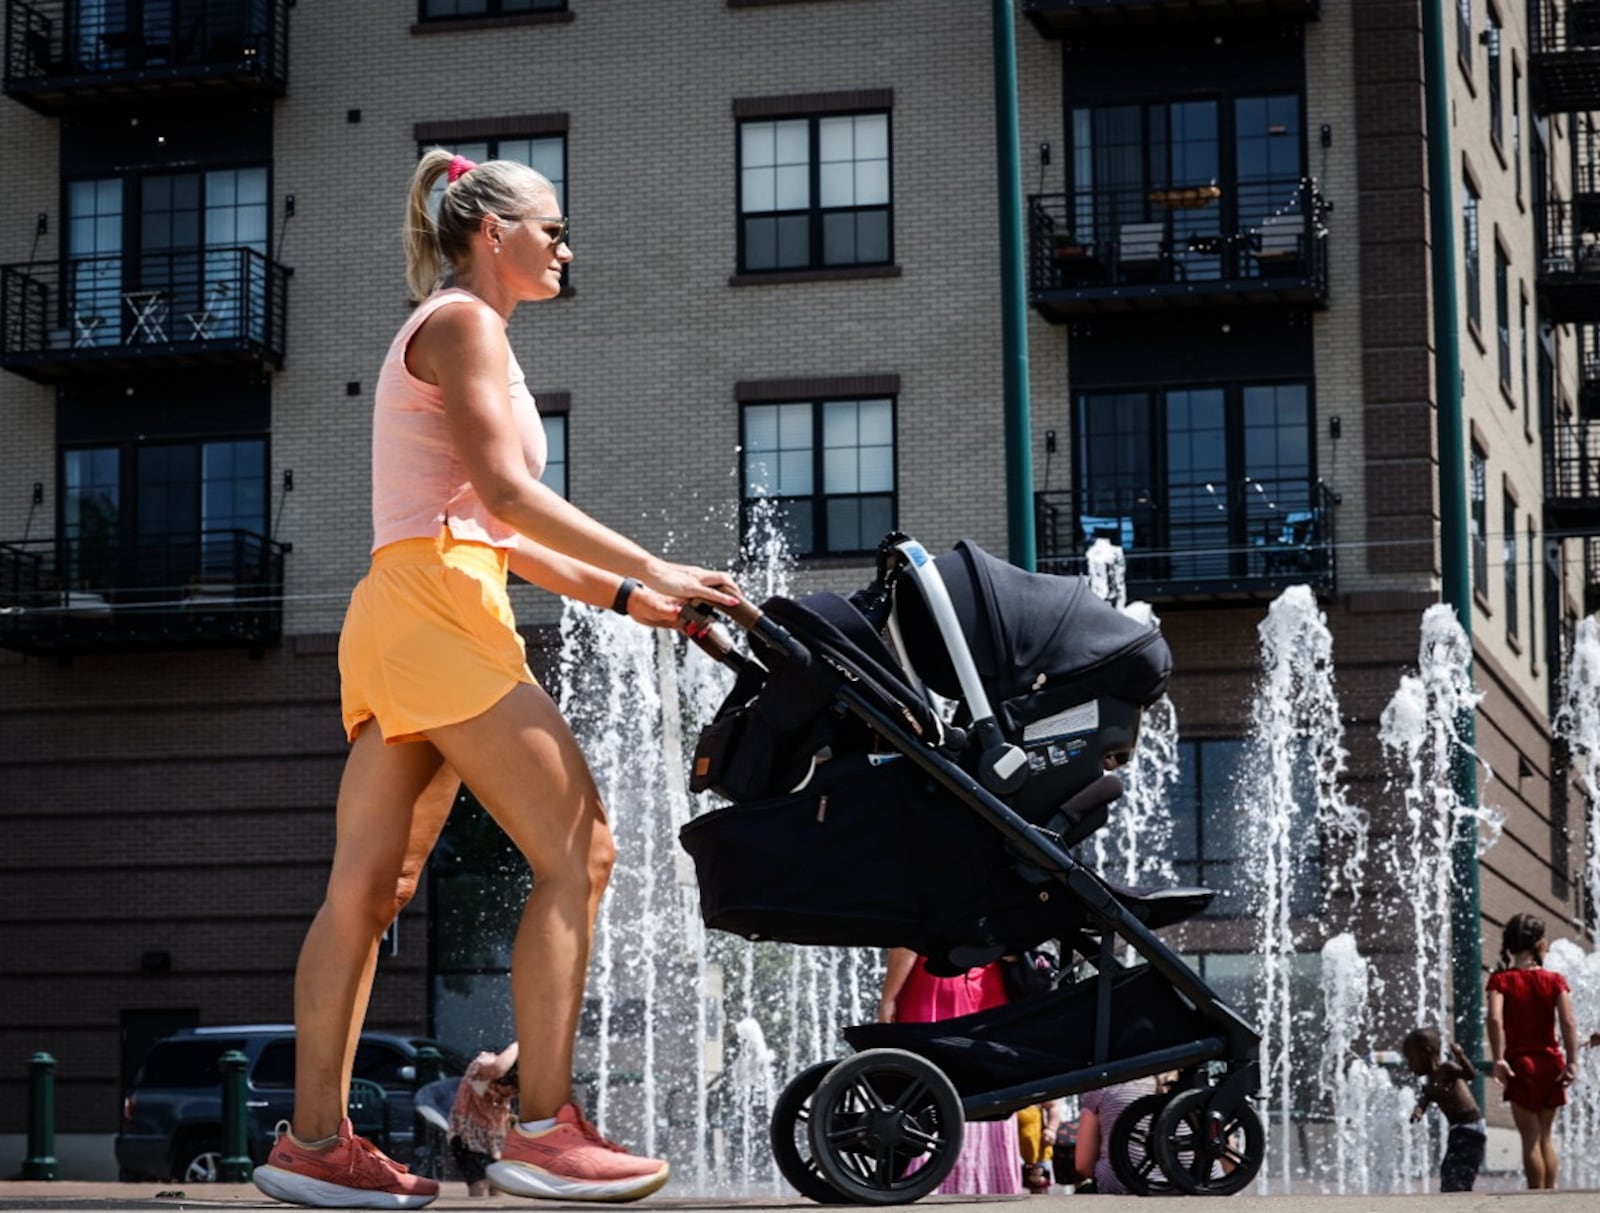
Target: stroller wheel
<point>791,1137</point>
<point>1131,1156</point>
<point>886,1127</point>
<point>1207,1151</point>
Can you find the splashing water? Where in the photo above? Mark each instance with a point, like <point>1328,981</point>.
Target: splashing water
<point>1291,789</point>
<point>1577,1126</point>
<point>1578,724</point>
<point>663,990</point>
<point>1375,1148</point>
<point>1134,848</point>
<point>1418,730</point>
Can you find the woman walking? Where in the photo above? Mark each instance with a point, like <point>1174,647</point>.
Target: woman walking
<point>435,690</point>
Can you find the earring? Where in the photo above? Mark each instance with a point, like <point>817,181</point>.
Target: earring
<point>497,250</point>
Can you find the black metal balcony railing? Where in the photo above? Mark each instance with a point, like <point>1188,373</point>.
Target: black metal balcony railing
<point>1591,578</point>
<point>1054,18</point>
<point>62,55</point>
<point>1102,249</point>
<point>1569,259</point>
<point>1211,539</point>
<point>1572,476</point>
<point>1564,55</point>
<point>60,319</point>
<point>208,589</point>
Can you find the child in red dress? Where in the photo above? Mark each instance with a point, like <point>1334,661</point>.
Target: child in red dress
<point>1525,1002</point>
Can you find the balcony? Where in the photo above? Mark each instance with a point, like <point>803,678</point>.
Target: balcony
<point>1569,262</point>
<point>219,589</point>
<point>1058,18</point>
<point>92,315</point>
<point>1564,55</point>
<point>1591,576</point>
<point>1260,243</point>
<point>1206,541</point>
<point>76,56</point>
<point>1572,477</point>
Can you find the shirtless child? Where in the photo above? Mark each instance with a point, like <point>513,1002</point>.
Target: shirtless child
<point>1447,1082</point>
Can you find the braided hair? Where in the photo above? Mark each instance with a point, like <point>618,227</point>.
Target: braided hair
<point>1521,933</point>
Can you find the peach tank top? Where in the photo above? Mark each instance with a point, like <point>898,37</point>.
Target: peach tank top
<point>419,484</point>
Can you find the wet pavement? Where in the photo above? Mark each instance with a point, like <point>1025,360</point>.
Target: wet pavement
<point>70,1197</point>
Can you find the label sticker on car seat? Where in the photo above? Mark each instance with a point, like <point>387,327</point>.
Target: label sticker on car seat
<point>1083,718</point>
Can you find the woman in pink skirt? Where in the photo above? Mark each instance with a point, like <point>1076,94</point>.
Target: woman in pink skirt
<point>990,1152</point>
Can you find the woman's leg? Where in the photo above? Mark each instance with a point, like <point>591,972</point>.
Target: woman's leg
<point>1527,1121</point>
<point>393,801</point>
<point>1547,1146</point>
<point>523,764</point>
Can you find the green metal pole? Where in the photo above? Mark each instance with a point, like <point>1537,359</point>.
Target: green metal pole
<point>41,1161</point>
<point>235,1166</point>
<point>1466,958</point>
<point>1013,296</point>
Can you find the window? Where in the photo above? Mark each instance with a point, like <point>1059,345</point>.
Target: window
<point>1527,396</point>
<point>1210,840</point>
<point>555,465</point>
<point>1533,609</point>
<point>180,509</point>
<point>828,469</point>
<point>1469,261</point>
<point>814,193</point>
<point>1127,158</point>
<point>1478,521</point>
<point>1464,34</point>
<point>196,269</point>
<point>1196,483</point>
<point>449,10</point>
<point>1502,315</point>
<point>1508,554</point>
<point>1516,126</point>
<point>1496,106</point>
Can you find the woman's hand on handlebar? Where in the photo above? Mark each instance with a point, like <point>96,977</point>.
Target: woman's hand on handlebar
<point>653,609</point>
<point>686,581</point>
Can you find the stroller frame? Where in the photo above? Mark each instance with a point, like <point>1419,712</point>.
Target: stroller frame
<point>1187,1143</point>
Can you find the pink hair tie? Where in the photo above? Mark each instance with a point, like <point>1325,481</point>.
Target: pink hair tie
<point>460,165</point>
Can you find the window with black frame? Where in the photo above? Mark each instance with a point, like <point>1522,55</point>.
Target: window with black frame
<point>1508,557</point>
<point>1478,521</point>
<point>815,193</point>
<point>168,256</point>
<point>820,472</point>
<point>555,464</point>
<point>1469,254</point>
<point>1193,188</point>
<point>1199,482</point>
<point>153,518</point>
<point>1211,843</point>
<point>457,10</point>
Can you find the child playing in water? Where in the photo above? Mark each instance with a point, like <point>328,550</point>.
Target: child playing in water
<point>1446,1082</point>
<point>1526,1002</point>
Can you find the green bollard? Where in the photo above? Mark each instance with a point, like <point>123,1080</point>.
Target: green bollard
<point>235,1166</point>
<point>430,1064</point>
<point>41,1161</point>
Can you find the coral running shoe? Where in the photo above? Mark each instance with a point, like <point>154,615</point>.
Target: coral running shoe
<point>571,1161</point>
<point>350,1174</point>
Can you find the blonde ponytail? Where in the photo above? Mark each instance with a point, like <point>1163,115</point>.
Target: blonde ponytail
<point>425,263</point>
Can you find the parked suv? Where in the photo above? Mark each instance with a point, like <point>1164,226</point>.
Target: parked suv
<point>172,1116</point>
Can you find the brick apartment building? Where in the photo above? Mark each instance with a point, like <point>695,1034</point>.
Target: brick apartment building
<point>784,217</point>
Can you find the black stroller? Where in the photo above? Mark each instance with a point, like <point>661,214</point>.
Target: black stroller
<point>929,797</point>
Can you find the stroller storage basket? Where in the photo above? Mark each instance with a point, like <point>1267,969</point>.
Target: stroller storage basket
<point>1047,1034</point>
<point>867,854</point>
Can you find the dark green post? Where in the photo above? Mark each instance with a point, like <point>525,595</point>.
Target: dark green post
<point>1013,293</point>
<point>235,1166</point>
<point>41,1161</point>
<point>430,1065</point>
<point>1466,948</point>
